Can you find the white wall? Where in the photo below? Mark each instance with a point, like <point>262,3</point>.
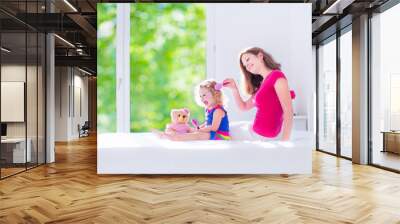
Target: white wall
<point>17,73</point>
<point>283,30</point>
<point>312,115</point>
<point>33,126</point>
<point>80,83</point>
<point>67,115</point>
<point>390,66</point>
<point>12,100</point>
<point>61,103</point>
<point>14,73</point>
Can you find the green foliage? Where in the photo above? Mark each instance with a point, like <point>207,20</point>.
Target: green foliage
<point>167,61</point>
<point>106,96</point>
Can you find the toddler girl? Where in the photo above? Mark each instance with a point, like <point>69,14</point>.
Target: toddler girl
<point>216,126</point>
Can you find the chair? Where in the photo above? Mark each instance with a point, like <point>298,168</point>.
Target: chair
<point>84,130</point>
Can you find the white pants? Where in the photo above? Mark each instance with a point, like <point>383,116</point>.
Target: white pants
<point>243,130</point>
<point>256,136</point>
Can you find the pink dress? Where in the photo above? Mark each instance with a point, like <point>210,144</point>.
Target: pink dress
<point>269,116</point>
<point>179,128</point>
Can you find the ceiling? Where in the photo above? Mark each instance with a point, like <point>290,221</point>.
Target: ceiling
<point>76,25</point>
<point>75,22</point>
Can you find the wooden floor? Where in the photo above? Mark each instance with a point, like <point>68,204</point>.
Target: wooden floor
<point>70,191</point>
<point>387,159</point>
<point>10,171</point>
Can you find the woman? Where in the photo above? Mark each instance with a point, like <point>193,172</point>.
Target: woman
<point>269,92</point>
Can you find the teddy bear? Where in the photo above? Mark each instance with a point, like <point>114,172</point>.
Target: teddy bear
<point>180,121</point>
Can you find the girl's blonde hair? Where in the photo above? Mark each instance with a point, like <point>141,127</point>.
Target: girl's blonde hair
<point>209,84</point>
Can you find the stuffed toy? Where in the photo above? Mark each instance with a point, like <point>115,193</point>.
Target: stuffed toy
<point>180,122</point>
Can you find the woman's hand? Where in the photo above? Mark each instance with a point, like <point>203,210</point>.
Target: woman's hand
<point>230,83</point>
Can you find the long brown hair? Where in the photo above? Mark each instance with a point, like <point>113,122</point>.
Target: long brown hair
<point>253,81</point>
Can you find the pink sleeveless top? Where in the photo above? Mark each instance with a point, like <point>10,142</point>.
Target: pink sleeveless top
<point>269,116</point>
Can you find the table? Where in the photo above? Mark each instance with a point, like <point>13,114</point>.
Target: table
<point>391,141</point>
<point>16,147</point>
